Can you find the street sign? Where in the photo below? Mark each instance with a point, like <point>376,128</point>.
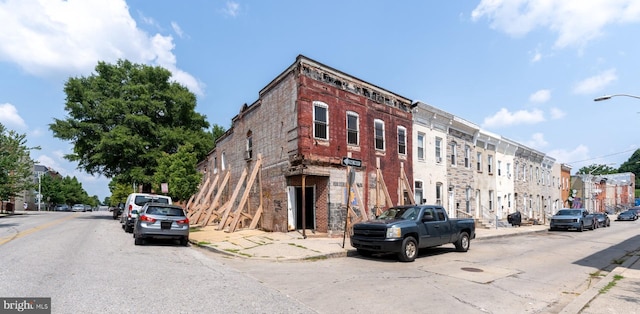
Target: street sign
<point>346,161</point>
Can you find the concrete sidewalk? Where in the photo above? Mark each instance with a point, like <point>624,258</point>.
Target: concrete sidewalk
<point>617,292</point>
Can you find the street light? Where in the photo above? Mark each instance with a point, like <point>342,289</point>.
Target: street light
<point>605,97</point>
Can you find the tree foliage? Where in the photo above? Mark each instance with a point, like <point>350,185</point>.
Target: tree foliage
<point>179,172</point>
<point>119,192</point>
<point>16,166</point>
<point>632,165</point>
<point>597,169</point>
<point>67,190</point>
<point>125,117</point>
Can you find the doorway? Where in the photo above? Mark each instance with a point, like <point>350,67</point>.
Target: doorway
<point>295,208</point>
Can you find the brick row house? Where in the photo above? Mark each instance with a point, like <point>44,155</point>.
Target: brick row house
<point>311,116</point>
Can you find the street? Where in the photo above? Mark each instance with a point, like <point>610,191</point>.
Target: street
<point>87,264</point>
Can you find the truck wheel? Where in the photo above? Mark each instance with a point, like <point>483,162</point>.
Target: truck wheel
<point>409,250</point>
<point>462,245</point>
<point>364,253</point>
<point>581,228</point>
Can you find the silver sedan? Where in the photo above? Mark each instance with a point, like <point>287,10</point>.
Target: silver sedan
<point>161,221</point>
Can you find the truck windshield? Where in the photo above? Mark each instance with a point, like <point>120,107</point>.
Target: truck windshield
<point>400,213</point>
<point>568,212</point>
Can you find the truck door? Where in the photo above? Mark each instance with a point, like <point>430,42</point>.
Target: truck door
<point>429,229</point>
<point>444,225</point>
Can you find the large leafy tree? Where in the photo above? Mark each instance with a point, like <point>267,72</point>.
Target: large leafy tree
<point>178,171</point>
<point>632,165</point>
<point>16,166</point>
<point>119,192</point>
<point>125,116</point>
<point>597,169</point>
<point>67,190</point>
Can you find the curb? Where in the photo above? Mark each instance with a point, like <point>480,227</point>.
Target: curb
<point>584,298</point>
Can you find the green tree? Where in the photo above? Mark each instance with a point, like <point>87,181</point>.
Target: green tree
<point>597,169</point>
<point>217,131</point>
<point>179,172</point>
<point>119,192</point>
<point>51,189</point>
<point>16,166</point>
<point>123,118</point>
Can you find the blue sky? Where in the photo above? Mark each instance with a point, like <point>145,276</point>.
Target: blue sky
<point>525,69</point>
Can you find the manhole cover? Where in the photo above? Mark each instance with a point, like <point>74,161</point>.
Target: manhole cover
<point>471,269</point>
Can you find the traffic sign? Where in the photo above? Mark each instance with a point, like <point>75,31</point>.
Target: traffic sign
<point>346,161</point>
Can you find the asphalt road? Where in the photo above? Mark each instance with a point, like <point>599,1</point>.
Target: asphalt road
<point>87,264</point>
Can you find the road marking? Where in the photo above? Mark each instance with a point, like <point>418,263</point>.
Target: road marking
<point>21,234</point>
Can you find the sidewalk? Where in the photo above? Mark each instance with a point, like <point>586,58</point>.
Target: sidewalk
<point>612,294</point>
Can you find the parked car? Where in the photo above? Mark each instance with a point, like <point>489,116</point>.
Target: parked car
<point>117,210</point>
<point>627,215</point>
<point>161,221</point>
<point>602,220</point>
<point>134,203</point>
<point>61,208</point>
<point>406,229</point>
<point>78,208</point>
<point>572,218</point>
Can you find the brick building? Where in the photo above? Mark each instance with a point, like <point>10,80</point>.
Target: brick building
<point>304,122</point>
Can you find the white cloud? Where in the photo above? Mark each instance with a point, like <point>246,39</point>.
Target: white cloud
<point>595,83</point>
<point>540,96</point>
<point>581,152</point>
<point>506,118</point>
<point>10,118</point>
<point>557,113</point>
<point>48,161</point>
<point>536,57</point>
<point>537,141</point>
<point>576,22</point>
<point>63,38</point>
<point>177,29</point>
<point>231,9</point>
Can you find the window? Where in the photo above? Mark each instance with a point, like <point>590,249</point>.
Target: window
<point>467,156</point>
<point>249,148</point>
<point>479,161</point>
<point>353,129</point>
<point>453,153</point>
<point>419,195</point>
<point>508,170</point>
<point>439,193</point>
<point>438,149</point>
<point>223,160</point>
<point>490,199</point>
<point>320,120</point>
<point>420,146</point>
<point>402,140</point>
<point>499,167</point>
<point>379,134</point>
<point>490,163</point>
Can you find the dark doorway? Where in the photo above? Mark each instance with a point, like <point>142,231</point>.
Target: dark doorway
<point>310,208</point>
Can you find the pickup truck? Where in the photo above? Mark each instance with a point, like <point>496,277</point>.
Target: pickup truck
<point>406,229</point>
<point>572,218</point>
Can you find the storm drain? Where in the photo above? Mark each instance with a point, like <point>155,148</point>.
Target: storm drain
<point>472,269</point>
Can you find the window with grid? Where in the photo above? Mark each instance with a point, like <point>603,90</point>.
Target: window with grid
<point>467,156</point>
<point>379,134</point>
<point>352,128</point>
<point>402,140</point>
<point>420,146</point>
<point>438,149</point>
<point>320,120</point>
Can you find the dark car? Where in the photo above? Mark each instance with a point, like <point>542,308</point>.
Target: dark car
<point>117,211</point>
<point>628,215</point>
<point>602,220</point>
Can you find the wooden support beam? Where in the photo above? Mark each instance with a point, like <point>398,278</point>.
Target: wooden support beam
<point>216,200</point>
<point>406,184</point>
<point>205,202</point>
<point>236,191</point>
<point>197,200</point>
<point>247,190</point>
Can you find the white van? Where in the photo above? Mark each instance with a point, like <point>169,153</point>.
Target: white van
<point>134,203</point>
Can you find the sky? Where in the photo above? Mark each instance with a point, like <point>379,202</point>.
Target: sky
<point>528,70</point>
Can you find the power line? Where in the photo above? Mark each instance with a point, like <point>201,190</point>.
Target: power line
<point>595,158</point>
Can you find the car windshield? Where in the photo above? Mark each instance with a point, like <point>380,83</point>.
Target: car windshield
<point>165,211</point>
<point>400,213</point>
<point>569,212</point>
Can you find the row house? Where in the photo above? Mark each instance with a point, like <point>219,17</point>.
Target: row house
<point>311,116</point>
<point>608,192</point>
<point>303,124</point>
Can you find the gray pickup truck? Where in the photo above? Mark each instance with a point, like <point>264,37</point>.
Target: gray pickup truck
<point>405,229</point>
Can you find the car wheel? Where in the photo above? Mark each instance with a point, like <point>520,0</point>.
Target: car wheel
<point>409,250</point>
<point>463,243</point>
<point>365,253</point>
<point>138,241</point>
<point>184,241</point>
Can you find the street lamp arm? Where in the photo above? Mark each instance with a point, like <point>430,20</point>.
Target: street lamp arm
<point>605,97</point>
